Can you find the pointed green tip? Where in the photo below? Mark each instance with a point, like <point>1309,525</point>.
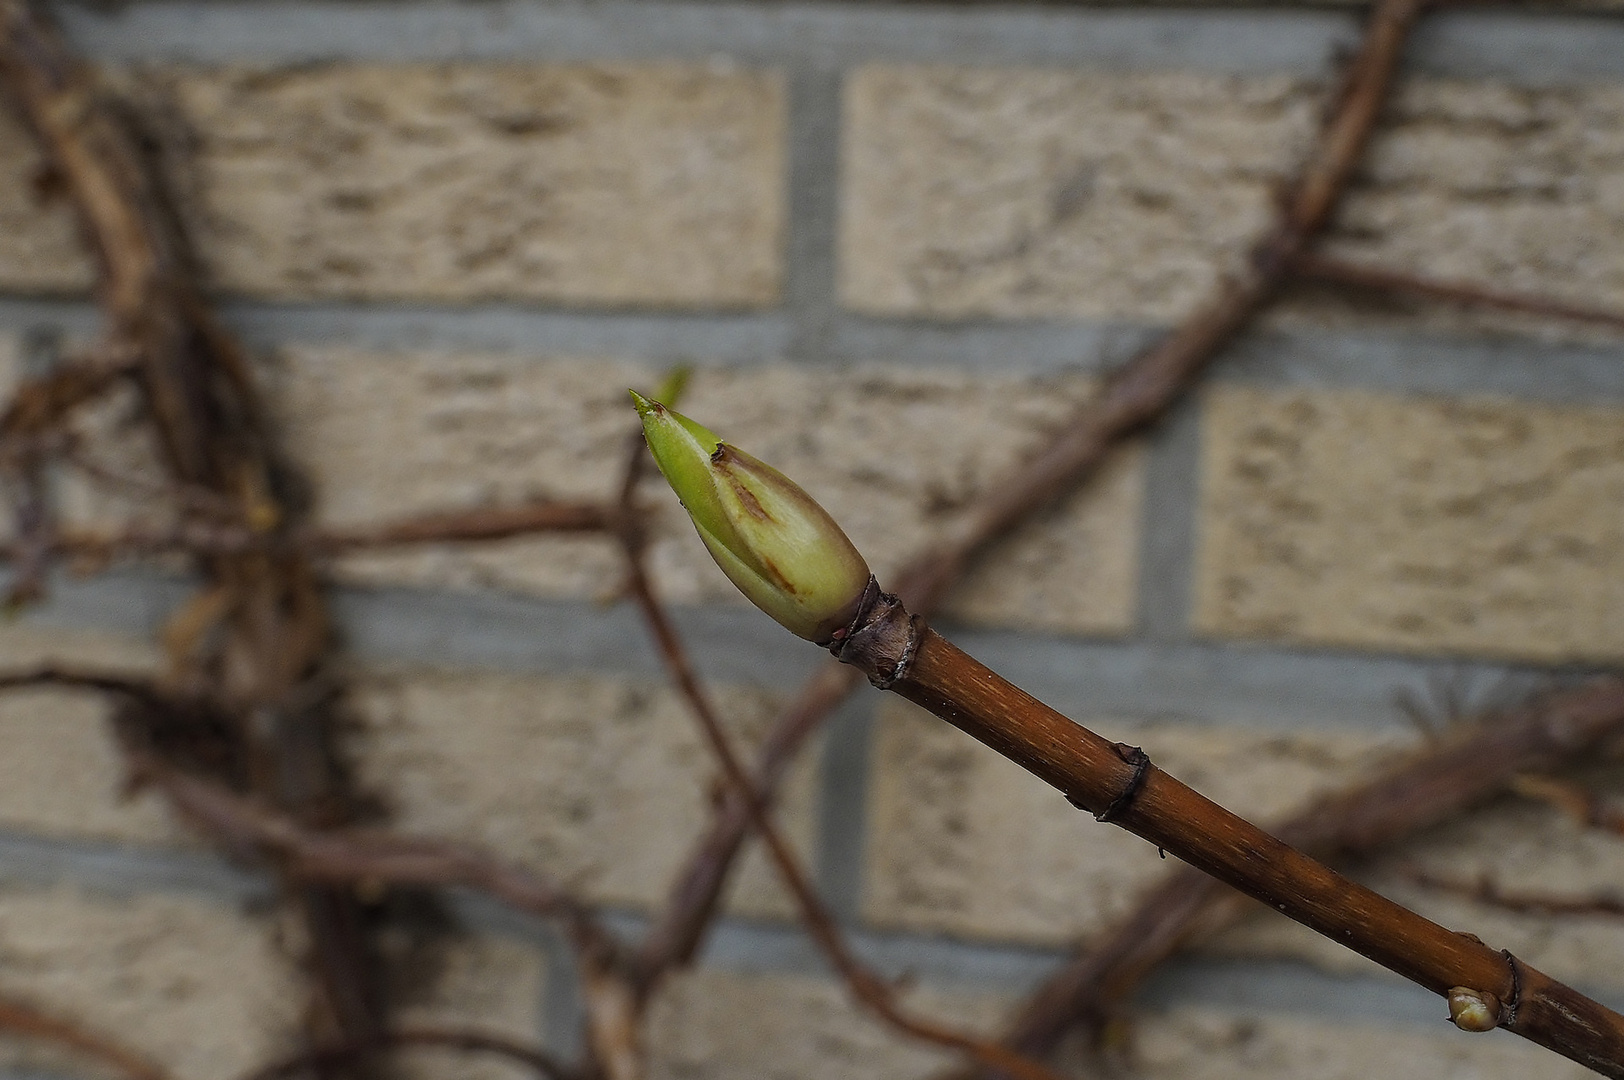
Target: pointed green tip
<point>644,405</point>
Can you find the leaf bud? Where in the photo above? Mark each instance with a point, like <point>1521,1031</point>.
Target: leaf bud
<point>772,540</point>
<point>1473,1010</point>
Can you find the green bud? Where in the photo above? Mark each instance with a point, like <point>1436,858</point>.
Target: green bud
<point>783,550</point>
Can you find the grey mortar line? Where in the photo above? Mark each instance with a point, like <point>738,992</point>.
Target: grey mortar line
<point>1561,373</point>
<point>1526,48</point>
<point>562,1010</point>
<point>1384,360</point>
<point>1168,525</point>
<point>845,765</point>
<point>121,869</point>
<point>1254,684</point>
<point>826,36</point>
<point>812,207</point>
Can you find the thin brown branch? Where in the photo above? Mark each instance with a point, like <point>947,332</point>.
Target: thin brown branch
<point>1463,293</point>
<point>461,526</point>
<point>1120,784</point>
<point>467,1040</point>
<point>1135,397</point>
<point>358,855</point>
<point>483,524</point>
<point>106,682</point>
<point>35,525</point>
<point>866,986</point>
<point>683,920</point>
<point>1485,890</point>
<point>1585,807</point>
<point>192,499</point>
<point>41,404</point>
<point>1465,767</point>
<point>25,1020</point>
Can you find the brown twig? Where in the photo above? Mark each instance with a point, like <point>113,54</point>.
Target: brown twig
<point>106,682</point>
<point>1118,783</point>
<point>1463,768</point>
<point>356,855</point>
<point>439,527</point>
<point>1355,275</point>
<point>462,526</point>
<point>29,1022</point>
<point>41,404</point>
<point>866,986</point>
<point>462,1039</point>
<point>1136,396</point>
<point>1585,807</point>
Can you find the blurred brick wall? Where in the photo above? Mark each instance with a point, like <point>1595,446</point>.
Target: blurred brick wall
<point>898,244</point>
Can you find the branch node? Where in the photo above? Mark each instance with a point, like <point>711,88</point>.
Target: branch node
<point>1508,1011</point>
<point>1140,761</point>
<point>909,647</point>
<point>881,639</point>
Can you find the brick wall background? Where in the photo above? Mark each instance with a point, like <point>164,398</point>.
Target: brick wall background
<point>456,233</point>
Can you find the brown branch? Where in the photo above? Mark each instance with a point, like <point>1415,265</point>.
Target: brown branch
<point>1463,293</point>
<point>1135,397</point>
<point>357,855</point>
<point>680,926</point>
<point>1467,766</point>
<point>461,526</point>
<point>1585,807</point>
<point>1118,783</point>
<point>40,404</point>
<point>866,986</point>
<point>466,1040</point>
<point>1485,890</point>
<point>439,527</point>
<point>106,682</point>
<point>29,1022</point>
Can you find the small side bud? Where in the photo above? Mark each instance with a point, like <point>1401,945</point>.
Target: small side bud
<point>1473,1010</point>
<point>772,540</point>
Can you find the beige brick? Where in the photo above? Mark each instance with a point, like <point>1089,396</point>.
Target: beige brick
<point>491,983</point>
<point>1207,1044</point>
<point>1481,526</point>
<point>884,448</point>
<point>721,1026</point>
<point>1021,192</point>
<point>62,774</point>
<point>39,244</point>
<point>601,785</point>
<point>964,842</point>
<point>610,184</point>
<point>197,987</point>
<point>727,1026</point>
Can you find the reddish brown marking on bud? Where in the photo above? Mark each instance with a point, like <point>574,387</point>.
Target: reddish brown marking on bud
<point>777,575</point>
<point>747,498</point>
